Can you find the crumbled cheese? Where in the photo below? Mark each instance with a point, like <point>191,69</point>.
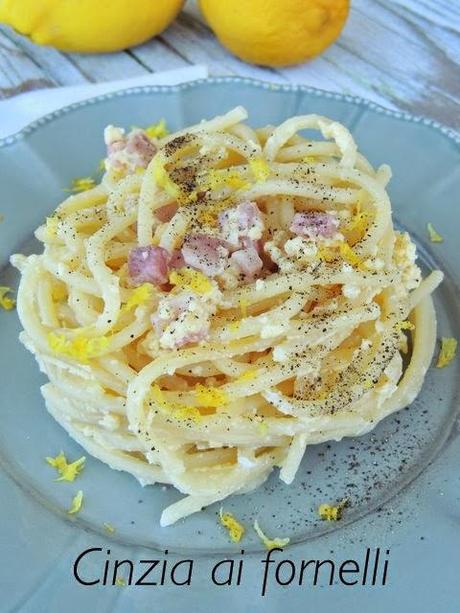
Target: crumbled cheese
<point>404,255</point>
<point>270,543</point>
<point>351,291</point>
<point>235,529</point>
<point>81,184</point>
<point>435,237</point>
<point>210,396</point>
<point>260,284</point>
<point>157,130</point>
<point>447,352</point>
<point>194,280</point>
<point>80,347</point>
<point>332,513</point>
<point>260,169</point>
<point>6,302</point>
<point>77,501</point>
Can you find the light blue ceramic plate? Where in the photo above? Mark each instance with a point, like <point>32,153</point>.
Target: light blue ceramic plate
<point>402,479</point>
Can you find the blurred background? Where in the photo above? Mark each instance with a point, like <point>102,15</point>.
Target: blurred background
<point>402,54</point>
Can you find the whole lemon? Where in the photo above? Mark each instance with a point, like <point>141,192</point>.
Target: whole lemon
<point>89,26</point>
<point>276,32</point>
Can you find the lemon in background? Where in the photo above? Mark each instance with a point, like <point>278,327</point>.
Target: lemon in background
<point>89,26</point>
<point>276,32</point>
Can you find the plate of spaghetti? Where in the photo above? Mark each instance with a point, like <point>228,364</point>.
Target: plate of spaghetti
<point>235,309</point>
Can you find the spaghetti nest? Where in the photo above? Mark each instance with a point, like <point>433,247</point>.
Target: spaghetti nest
<point>222,299</point>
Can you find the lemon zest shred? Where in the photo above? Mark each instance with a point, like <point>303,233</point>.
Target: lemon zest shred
<point>6,302</point>
<point>187,278</point>
<point>52,224</point>
<point>76,504</point>
<point>217,179</point>
<point>80,347</point>
<point>435,237</point>
<point>269,543</point>
<point>210,396</point>
<point>139,296</point>
<point>120,582</point>
<point>247,375</point>
<point>157,130</point>
<point>67,472</point>
<point>109,528</point>
<point>328,512</point>
<point>260,169</point>
<point>162,178</point>
<point>81,184</point>
<point>177,410</point>
<point>235,529</point>
<point>244,307</point>
<point>447,352</point>
<point>350,256</point>
<point>404,325</point>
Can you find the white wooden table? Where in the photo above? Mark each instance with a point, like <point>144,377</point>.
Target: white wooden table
<point>402,54</point>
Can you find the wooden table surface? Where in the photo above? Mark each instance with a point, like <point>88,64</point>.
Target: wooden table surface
<point>403,54</point>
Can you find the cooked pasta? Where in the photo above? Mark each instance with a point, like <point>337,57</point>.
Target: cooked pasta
<point>225,297</point>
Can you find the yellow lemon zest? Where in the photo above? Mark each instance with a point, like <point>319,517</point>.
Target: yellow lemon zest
<point>235,528</point>
<point>326,254</point>
<point>59,292</point>
<point>120,582</point>
<point>260,169</point>
<point>162,178</point>
<point>157,130</point>
<point>262,427</point>
<point>67,472</point>
<point>6,302</point>
<point>187,278</point>
<point>108,527</point>
<point>177,410</point>
<point>332,513</point>
<point>350,256</point>
<point>217,179</point>
<point>209,214</point>
<point>404,325</point>
<point>244,307</point>
<point>80,347</point>
<point>77,501</point>
<point>447,352</point>
<point>268,542</point>
<point>52,224</point>
<point>248,375</point>
<point>139,296</point>
<point>435,237</point>
<point>81,184</point>
<point>210,396</point>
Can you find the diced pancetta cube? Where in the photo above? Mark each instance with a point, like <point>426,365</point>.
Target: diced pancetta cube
<point>205,253</point>
<point>149,265</point>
